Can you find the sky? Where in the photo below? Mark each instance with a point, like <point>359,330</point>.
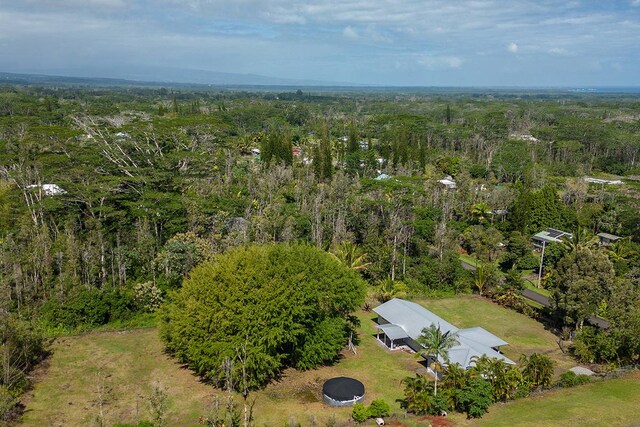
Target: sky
<point>375,42</point>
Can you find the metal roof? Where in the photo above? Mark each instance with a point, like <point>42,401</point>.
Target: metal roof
<point>411,318</point>
<point>482,336</point>
<point>552,235</point>
<point>609,236</point>
<point>394,332</point>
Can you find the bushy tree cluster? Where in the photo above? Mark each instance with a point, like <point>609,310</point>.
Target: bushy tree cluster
<point>266,307</point>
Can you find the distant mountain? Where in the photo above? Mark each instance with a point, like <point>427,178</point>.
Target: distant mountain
<point>147,76</point>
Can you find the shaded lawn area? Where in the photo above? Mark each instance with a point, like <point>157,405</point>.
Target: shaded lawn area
<point>524,335</point>
<point>602,403</point>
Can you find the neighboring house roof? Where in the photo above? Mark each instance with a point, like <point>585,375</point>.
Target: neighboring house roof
<point>608,236</point>
<point>603,181</point>
<point>551,235</point>
<point>448,182</point>
<point>407,319</point>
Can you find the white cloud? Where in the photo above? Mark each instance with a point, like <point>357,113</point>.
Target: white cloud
<point>350,33</point>
<point>512,47</point>
<point>635,3</point>
<point>434,62</point>
<point>560,51</point>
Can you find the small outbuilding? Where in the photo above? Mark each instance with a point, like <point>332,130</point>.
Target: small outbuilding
<point>607,239</point>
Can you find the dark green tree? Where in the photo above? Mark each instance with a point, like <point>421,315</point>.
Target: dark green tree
<point>287,305</point>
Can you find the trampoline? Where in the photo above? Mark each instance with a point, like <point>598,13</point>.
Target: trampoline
<point>342,391</point>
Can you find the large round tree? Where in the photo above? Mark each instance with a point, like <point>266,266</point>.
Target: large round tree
<point>264,307</point>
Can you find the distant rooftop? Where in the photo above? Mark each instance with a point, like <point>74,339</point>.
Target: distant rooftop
<point>602,181</point>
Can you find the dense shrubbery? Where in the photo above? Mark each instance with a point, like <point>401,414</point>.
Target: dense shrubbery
<point>264,307</point>
<point>473,391</point>
<point>88,308</point>
<point>22,346</point>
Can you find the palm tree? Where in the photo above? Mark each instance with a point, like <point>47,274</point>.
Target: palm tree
<point>620,250</point>
<point>389,289</point>
<point>483,275</point>
<point>350,255</point>
<point>537,369</point>
<point>582,239</point>
<point>416,397</point>
<point>436,345</point>
<point>504,378</point>
<point>480,210</point>
<point>455,376</point>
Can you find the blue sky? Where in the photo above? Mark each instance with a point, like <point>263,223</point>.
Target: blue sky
<point>384,42</point>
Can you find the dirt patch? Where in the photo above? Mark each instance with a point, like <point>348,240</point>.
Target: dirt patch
<point>436,421</point>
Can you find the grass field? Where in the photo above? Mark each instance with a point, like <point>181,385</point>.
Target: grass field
<point>604,403</point>
<point>129,363</point>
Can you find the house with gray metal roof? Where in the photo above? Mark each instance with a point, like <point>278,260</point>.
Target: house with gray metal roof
<point>550,235</point>
<point>400,323</point>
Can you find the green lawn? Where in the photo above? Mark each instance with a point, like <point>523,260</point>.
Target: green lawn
<point>602,403</point>
<point>529,285</point>
<point>126,365</point>
<point>468,259</point>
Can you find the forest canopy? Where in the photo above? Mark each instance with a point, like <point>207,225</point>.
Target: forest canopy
<point>262,308</point>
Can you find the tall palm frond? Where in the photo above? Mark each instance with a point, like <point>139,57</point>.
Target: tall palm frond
<point>350,255</point>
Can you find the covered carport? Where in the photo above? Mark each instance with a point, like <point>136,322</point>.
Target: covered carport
<point>391,335</point>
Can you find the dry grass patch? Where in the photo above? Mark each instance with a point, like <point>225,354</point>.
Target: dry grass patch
<point>120,368</point>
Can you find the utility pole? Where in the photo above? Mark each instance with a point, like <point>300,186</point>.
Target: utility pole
<point>544,243</point>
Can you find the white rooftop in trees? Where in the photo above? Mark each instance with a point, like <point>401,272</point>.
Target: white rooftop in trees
<point>49,189</point>
<point>602,181</point>
<point>400,322</point>
<point>382,177</point>
<point>448,182</point>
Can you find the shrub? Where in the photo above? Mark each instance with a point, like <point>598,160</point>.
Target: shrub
<point>147,296</point>
<point>89,307</point>
<point>22,346</point>
<point>571,379</point>
<point>475,398</point>
<point>440,403</point>
<point>360,413</point>
<point>379,408</point>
